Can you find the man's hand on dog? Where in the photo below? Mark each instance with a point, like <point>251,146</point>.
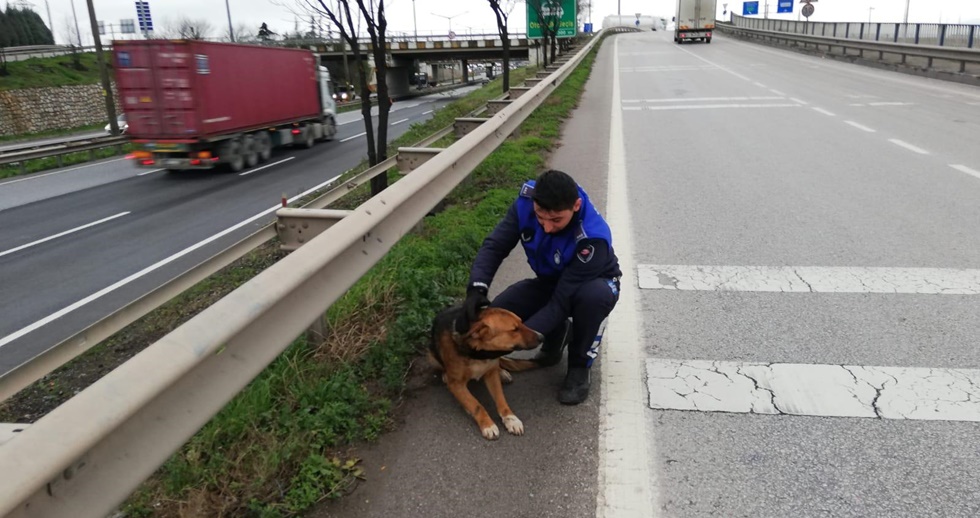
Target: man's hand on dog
<point>476,301</point>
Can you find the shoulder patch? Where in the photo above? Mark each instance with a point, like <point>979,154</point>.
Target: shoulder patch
<point>586,254</point>
<point>527,190</point>
<point>580,234</point>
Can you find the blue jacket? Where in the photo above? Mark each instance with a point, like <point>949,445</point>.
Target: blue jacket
<point>579,253</point>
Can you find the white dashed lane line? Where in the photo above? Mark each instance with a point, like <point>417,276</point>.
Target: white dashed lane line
<point>908,146</point>
<point>860,126</point>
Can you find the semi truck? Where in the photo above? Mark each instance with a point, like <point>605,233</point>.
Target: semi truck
<point>695,20</point>
<point>199,105</point>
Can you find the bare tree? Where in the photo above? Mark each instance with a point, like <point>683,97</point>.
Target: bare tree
<point>243,33</point>
<point>372,12</point>
<point>502,10</point>
<point>184,28</point>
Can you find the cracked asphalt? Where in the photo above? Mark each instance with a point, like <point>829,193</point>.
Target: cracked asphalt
<point>796,189</point>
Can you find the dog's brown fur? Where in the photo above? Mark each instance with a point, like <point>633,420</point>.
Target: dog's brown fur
<point>476,355</point>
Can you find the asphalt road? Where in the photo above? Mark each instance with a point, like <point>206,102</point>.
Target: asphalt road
<point>734,155</point>
<point>82,241</point>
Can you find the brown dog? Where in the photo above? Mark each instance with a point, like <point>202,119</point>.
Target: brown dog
<point>475,354</point>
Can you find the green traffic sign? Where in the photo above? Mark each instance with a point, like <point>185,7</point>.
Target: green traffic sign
<point>552,12</point>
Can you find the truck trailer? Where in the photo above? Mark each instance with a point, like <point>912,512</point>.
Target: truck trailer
<point>197,104</point>
<point>695,20</point>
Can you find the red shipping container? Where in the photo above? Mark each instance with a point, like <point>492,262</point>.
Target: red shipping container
<point>198,90</point>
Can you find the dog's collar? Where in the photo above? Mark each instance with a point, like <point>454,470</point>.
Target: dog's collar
<point>461,347</point>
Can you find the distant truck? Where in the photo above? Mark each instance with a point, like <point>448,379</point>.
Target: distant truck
<point>197,104</point>
<point>695,20</point>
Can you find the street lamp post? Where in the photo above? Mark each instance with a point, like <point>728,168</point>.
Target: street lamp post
<point>78,31</point>
<point>415,21</point>
<point>869,14</point>
<point>231,32</point>
<point>450,18</point>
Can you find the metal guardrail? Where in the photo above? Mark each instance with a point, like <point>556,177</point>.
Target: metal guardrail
<point>33,152</point>
<point>937,34</point>
<point>89,454</point>
<point>963,56</point>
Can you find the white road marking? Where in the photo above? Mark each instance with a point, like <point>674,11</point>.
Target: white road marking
<point>964,169</point>
<point>627,486</point>
<point>760,85</point>
<point>704,99</point>
<point>632,108</point>
<point>908,146</point>
<point>156,266</point>
<point>348,122</point>
<point>890,103</point>
<point>855,104</point>
<point>811,279</point>
<point>795,100</point>
<point>250,171</point>
<point>398,122</point>
<point>736,74</point>
<point>354,137</point>
<point>721,106</point>
<point>34,177</point>
<point>815,390</point>
<point>860,126</point>
<point>144,173</point>
<point>426,113</point>
<point>823,111</point>
<point>777,92</point>
<point>65,233</point>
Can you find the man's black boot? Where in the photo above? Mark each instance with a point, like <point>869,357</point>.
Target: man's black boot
<point>554,345</point>
<point>575,389</point>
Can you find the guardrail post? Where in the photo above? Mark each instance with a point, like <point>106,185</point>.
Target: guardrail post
<point>973,31</point>
<point>494,106</point>
<point>297,227</point>
<point>61,163</point>
<point>516,91</point>
<point>532,82</point>
<point>847,31</point>
<point>542,74</point>
<point>942,38</point>
<point>896,34</point>
<point>917,27</point>
<point>411,158</point>
<point>464,125</point>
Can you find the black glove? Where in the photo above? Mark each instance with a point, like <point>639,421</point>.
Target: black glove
<point>476,301</point>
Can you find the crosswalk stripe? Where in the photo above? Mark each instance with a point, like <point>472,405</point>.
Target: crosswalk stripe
<point>815,390</point>
<point>810,279</point>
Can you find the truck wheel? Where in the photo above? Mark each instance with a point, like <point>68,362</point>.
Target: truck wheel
<point>233,155</point>
<point>308,138</point>
<point>250,151</point>
<point>707,40</point>
<point>264,145</point>
<point>329,129</point>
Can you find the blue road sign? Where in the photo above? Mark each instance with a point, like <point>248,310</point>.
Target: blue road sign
<point>588,28</point>
<point>143,16</point>
<point>749,8</point>
<point>785,6</point>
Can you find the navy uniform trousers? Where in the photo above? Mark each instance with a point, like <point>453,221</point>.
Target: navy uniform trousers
<point>590,305</point>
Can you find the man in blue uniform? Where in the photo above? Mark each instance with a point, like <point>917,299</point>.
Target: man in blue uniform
<point>569,248</point>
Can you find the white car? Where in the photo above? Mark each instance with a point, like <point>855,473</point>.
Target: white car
<point>123,125</point>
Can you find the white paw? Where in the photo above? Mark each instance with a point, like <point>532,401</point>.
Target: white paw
<point>505,376</point>
<point>514,425</point>
<point>491,432</point>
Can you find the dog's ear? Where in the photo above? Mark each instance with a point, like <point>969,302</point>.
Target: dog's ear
<point>478,329</point>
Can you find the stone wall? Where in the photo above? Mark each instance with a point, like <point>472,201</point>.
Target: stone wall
<point>61,107</point>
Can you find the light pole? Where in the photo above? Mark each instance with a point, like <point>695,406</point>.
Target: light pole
<point>415,21</point>
<point>231,32</point>
<point>450,18</point>
<point>869,14</point>
<point>77,30</point>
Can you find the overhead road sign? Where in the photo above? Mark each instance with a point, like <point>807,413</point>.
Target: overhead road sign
<point>785,6</point>
<point>750,8</point>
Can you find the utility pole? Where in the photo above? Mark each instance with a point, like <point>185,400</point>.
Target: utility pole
<point>450,18</point>
<point>415,21</point>
<point>231,32</point>
<point>48,7</point>
<point>110,105</point>
<point>869,14</point>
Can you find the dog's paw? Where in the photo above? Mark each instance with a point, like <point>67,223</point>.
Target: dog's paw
<point>491,432</point>
<point>505,376</point>
<point>514,425</point>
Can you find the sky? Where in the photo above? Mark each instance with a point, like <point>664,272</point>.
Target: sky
<point>469,16</point>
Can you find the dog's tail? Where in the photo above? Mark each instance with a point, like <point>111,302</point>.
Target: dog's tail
<point>515,365</point>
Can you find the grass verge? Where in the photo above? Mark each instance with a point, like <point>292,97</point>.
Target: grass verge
<point>53,71</point>
<point>282,444</point>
